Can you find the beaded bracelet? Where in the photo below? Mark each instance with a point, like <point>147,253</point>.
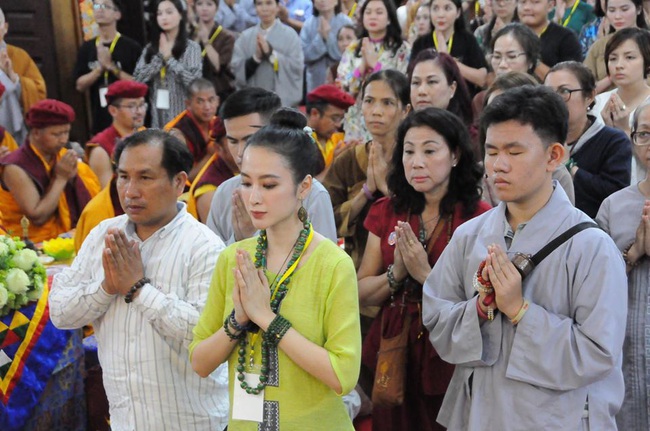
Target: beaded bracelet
<point>393,285</point>
<point>626,258</point>
<point>233,322</point>
<point>128,298</point>
<point>230,335</point>
<point>520,314</point>
<point>276,330</point>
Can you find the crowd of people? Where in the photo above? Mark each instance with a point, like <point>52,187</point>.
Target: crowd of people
<point>297,215</point>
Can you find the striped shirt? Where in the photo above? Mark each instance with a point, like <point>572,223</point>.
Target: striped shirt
<point>142,346</point>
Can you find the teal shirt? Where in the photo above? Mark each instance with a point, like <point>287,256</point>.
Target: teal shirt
<point>583,15</point>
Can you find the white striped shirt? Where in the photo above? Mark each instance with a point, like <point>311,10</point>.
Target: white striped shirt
<point>142,346</point>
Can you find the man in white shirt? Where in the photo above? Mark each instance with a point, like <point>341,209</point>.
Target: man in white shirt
<point>141,279</point>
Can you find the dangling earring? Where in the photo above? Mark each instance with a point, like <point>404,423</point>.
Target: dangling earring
<point>302,213</point>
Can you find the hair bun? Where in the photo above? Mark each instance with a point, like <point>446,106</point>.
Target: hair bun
<point>289,118</point>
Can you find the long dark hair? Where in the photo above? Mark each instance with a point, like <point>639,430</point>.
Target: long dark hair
<point>461,103</point>
<point>464,178</point>
<point>393,39</point>
<point>154,33</point>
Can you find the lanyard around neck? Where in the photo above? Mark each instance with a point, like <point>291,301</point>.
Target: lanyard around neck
<point>450,42</point>
<point>353,10</point>
<point>212,38</point>
<point>573,9</point>
<point>110,50</point>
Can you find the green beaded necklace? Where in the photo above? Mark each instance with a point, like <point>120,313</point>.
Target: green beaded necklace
<point>278,292</point>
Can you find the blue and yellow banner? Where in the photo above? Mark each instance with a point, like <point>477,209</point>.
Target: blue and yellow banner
<point>30,347</point>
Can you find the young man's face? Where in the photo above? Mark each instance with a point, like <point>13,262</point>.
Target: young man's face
<point>238,130</point>
<point>518,164</point>
<point>534,13</point>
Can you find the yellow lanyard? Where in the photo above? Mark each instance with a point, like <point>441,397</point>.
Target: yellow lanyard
<point>163,73</point>
<point>110,51</point>
<point>573,9</point>
<point>543,31</point>
<point>353,10</point>
<point>477,9</point>
<point>212,38</point>
<point>450,42</point>
<point>286,275</point>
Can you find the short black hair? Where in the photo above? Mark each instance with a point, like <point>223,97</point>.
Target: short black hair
<point>199,84</point>
<point>250,100</point>
<point>538,106</point>
<point>176,156</point>
<point>285,135</point>
<point>464,178</point>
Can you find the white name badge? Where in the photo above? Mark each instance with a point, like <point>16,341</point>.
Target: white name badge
<point>162,98</point>
<point>245,406</point>
<point>102,96</point>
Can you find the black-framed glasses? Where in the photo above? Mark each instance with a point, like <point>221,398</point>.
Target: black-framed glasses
<point>565,93</point>
<point>640,139</point>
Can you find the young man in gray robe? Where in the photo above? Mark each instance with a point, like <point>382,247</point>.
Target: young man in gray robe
<point>550,356</point>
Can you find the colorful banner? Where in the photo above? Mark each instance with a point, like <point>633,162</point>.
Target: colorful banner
<point>30,347</point>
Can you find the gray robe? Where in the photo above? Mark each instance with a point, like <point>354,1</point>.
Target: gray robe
<point>318,205</point>
<point>619,216</point>
<point>566,350</point>
<point>287,81</point>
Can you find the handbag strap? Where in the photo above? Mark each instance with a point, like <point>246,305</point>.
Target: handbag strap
<point>525,264</point>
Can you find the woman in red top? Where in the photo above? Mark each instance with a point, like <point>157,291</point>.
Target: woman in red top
<point>434,184</point>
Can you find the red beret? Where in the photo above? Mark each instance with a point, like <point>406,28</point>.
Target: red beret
<point>125,90</point>
<point>217,129</point>
<point>331,94</point>
<point>49,112</point>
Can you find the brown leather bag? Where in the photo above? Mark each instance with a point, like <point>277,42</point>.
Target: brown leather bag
<point>390,374</point>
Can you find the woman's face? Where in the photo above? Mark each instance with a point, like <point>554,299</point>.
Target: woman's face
<point>578,103</point>
<point>508,56</point>
<point>443,14</point>
<point>345,38</point>
<point>375,17</point>
<point>625,64</point>
<point>268,188</point>
<point>267,10</point>
<point>429,86</point>
<point>423,21</point>
<point>621,14</point>
<point>382,110</point>
<point>205,10</point>
<point>504,9</point>
<point>642,152</point>
<point>427,160</point>
<point>168,17</point>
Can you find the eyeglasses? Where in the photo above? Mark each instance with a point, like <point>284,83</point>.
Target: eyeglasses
<point>510,57</point>
<point>565,93</point>
<point>134,108</point>
<point>641,139</point>
<point>100,6</point>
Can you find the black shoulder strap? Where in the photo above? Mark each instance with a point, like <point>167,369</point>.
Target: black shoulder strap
<point>526,263</point>
<point>558,241</point>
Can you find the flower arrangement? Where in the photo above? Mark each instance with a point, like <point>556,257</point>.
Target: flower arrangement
<point>22,275</point>
<point>59,248</point>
